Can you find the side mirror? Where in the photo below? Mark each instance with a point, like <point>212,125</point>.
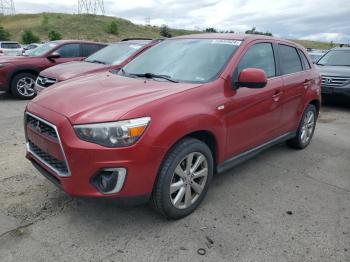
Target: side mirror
<point>53,56</point>
<point>252,78</point>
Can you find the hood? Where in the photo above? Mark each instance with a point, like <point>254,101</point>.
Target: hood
<point>69,70</point>
<point>343,71</point>
<point>104,97</point>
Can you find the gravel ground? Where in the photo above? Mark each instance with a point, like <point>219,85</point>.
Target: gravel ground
<point>283,205</point>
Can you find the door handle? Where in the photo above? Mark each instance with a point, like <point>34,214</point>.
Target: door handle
<point>277,95</point>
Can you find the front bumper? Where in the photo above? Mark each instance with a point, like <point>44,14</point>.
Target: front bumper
<point>86,159</point>
<point>336,91</point>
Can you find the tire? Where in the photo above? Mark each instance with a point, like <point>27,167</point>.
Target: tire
<point>305,130</point>
<point>22,86</point>
<point>172,205</point>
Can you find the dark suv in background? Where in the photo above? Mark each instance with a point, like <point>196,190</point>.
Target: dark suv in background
<point>18,74</point>
<point>113,57</point>
<point>334,67</point>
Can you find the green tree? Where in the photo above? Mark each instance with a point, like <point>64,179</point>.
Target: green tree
<point>253,31</point>
<point>29,37</point>
<point>113,28</point>
<point>210,30</point>
<point>165,31</point>
<point>4,34</point>
<point>54,35</point>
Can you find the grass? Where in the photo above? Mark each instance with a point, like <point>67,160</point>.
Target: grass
<point>91,27</point>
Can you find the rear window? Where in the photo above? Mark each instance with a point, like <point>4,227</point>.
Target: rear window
<point>305,61</point>
<point>10,45</point>
<point>290,60</point>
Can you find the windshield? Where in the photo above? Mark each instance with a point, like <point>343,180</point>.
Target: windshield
<point>114,54</point>
<point>40,50</point>
<point>336,58</point>
<point>184,60</point>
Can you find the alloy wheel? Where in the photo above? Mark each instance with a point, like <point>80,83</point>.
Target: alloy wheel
<point>189,180</point>
<point>307,127</point>
<point>25,87</point>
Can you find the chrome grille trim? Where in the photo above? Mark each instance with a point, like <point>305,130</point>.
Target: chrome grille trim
<point>29,149</point>
<point>45,81</point>
<point>334,81</point>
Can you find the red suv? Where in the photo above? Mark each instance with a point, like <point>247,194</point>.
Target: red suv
<point>18,73</point>
<point>159,128</point>
<point>113,57</point>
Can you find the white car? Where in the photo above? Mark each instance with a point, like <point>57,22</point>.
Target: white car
<point>28,48</point>
<point>10,48</point>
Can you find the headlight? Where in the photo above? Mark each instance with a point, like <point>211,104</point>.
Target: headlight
<point>113,134</point>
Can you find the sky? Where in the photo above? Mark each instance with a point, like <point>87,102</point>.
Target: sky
<point>294,19</point>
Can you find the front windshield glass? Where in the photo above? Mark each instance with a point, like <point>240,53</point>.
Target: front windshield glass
<point>184,60</point>
<point>114,54</point>
<point>40,50</point>
<point>336,58</point>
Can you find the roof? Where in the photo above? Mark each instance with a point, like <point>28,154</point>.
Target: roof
<point>240,37</point>
<point>76,41</point>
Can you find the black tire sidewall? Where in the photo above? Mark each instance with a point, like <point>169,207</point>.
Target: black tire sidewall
<point>14,82</point>
<point>177,154</point>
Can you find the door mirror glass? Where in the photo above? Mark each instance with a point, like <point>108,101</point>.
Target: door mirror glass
<point>252,78</point>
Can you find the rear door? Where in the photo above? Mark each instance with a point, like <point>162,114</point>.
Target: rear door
<point>295,83</point>
<point>253,116</point>
<point>69,52</point>
<point>88,49</point>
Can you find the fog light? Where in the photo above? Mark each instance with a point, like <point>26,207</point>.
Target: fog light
<point>110,180</point>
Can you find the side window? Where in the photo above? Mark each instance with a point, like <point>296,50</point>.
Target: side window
<point>305,61</point>
<point>89,49</point>
<point>290,60</point>
<point>69,50</point>
<point>259,56</point>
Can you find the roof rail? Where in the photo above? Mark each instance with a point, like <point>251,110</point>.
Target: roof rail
<point>136,38</point>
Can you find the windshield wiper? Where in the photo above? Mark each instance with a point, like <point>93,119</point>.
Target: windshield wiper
<point>95,62</point>
<point>151,75</point>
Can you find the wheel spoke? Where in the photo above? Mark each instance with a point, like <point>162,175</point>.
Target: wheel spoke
<point>188,197</point>
<point>196,187</point>
<point>189,160</point>
<point>179,196</point>
<point>176,186</point>
<point>203,172</point>
<point>199,161</point>
<point>179,171</point>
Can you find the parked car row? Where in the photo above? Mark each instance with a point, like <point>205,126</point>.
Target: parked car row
<point>157,129</point>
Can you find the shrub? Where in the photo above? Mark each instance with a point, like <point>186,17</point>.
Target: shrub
<point>4,34</point>
<point>113,28</point>
<point>29,37</point>
<point>210,30</point>
<point>165,31</point>
<point>54,35</point>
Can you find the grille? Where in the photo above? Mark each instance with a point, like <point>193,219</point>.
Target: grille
<point>58,165</point>
<point>41,127</point>
<point>334,81</point>
<point>46,129</point>
<point>45,81</point>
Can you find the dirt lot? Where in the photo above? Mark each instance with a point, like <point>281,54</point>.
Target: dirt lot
<point>283,205</point>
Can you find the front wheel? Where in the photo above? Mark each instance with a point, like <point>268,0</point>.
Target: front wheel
<point>183,179</point>
<point>305,130</point>
<point>22,86</point>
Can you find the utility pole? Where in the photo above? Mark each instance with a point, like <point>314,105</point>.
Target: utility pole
<point>7,7</point>
<point>92,7</point>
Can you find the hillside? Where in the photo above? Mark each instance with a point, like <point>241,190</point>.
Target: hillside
<point>95,28</point>
<point>79,27</point>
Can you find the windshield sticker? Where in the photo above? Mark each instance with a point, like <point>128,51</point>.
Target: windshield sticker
<point>135,46</point>
<point>226,42</point>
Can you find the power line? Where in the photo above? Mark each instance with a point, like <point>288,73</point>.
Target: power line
<point>7,7</point>
<point>93,7</point>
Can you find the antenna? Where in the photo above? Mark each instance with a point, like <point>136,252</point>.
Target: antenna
<point>93,7</point>
<point>7,7</point>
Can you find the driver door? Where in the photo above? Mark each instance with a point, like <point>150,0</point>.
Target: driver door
<point>254,115</point>
<point>69,52</point>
